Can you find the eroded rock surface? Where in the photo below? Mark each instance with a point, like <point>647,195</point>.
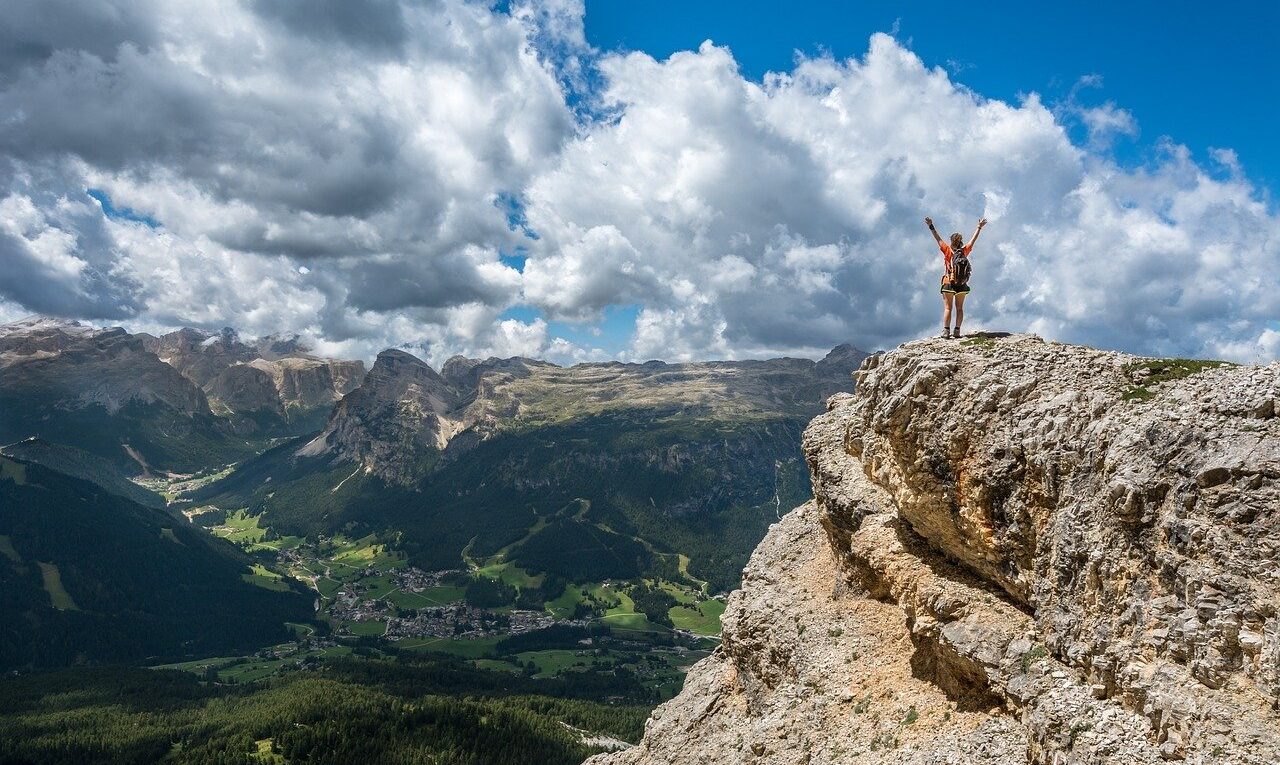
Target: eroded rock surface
<point>1056,556</point>
<point>273,376</point>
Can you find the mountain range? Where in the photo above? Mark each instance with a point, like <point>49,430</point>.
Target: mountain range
<point>605,470</point>
<point>539,472</point>
<point>211,400</point>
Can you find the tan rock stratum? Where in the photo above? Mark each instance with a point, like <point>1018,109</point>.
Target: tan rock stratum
<point>1018,552</point>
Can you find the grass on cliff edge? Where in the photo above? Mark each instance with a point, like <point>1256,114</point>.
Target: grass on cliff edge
<point>1147,373</point>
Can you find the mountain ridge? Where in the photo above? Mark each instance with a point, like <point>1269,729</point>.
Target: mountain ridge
<point>423,411</point>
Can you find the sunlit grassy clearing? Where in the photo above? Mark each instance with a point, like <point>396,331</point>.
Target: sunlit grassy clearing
<point>366,629</point>
<point>13,471</point>
<point>468,649</point>
<point>58,595</point>
<point>704,619</point>
<point>265,578</point>
<point>7,549</point>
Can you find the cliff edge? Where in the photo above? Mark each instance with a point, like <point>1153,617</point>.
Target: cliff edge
<point>1018,552</point>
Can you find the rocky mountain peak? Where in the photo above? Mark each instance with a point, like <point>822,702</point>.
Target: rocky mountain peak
<point>1018,552</point>
<point>396,361</point>
<point>841,357</point>
<point>36,334</point>
<point>465,374</point>
<point>71,365</point>
<point>273,347</point>
<point>395,422</point>
<point>274,375</point>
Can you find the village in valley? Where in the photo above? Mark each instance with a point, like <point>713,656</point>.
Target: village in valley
<point>373,601</point>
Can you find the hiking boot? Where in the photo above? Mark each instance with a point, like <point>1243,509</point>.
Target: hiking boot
<point>946,333</point>
<point>956,335</point>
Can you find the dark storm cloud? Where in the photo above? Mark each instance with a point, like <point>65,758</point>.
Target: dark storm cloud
<point>30,32</point>
<point>439,282</point>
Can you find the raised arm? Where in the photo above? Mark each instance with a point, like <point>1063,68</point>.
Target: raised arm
<point>929,222</point>
<point>969,246</point>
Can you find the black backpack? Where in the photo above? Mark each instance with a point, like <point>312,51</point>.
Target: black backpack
<point>960,268</point>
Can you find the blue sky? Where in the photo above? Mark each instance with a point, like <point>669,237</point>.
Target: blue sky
<point>1205,74</point>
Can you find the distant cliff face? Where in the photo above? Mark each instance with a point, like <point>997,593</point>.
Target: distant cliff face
<point>78,366</point>
<point>395,420</point>
<point>271,378</point>
<point>1019,552</point>
<point>108,392</point>
<point>102,391</point>
<point>405,416</point>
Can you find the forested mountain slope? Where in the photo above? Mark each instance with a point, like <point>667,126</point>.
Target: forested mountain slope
<point>88,576</point>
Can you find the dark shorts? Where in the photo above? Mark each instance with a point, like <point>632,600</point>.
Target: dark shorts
<point>954,289</point>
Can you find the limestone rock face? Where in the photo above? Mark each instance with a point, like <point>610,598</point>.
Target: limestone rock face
<point>102,391</point>
<point>244,388</point>
<point>393,422</point>
<point>1081,548</point>
<point>271,375</point>
<point>65,365</point>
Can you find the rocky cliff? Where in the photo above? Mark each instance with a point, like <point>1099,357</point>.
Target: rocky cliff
<point>76,366</point>
<point>100,390</point>
<point>1018,552</point>
<point>270,379</point>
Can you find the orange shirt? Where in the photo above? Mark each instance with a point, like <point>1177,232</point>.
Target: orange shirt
<point>946,253</point>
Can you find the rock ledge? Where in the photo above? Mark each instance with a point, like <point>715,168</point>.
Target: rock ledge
<point>1018,552</point>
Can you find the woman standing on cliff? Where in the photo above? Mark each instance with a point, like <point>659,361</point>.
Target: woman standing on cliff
<point>955,279</point>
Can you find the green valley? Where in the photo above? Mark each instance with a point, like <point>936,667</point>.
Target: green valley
<point>503,561</point>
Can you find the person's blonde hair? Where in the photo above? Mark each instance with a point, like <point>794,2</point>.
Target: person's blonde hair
<point>957,241</point>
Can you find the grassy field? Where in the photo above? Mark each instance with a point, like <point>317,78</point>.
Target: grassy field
<point>265,578</point>
<point>699,616</point>
<point>366,629</point>
<point>624,616</point>
<point>702,619</point>
<point>53,585</point>
<point>248,532</point>
<point>562,606</point>
<point>552,662</point>
<point>469,649</point>
<point>511,574</point>
<point>358,554</point>
<point>245,669</point>
<point>13,471</point>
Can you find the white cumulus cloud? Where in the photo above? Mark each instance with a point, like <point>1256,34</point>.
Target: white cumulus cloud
<point>353,170</point>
